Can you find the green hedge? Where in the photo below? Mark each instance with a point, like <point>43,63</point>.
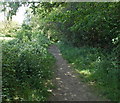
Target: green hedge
<point>27,70</point>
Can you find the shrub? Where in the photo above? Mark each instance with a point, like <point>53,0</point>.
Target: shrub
<point>27,70</point>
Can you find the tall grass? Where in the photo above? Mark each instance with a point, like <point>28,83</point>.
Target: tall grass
<point>96,67</point>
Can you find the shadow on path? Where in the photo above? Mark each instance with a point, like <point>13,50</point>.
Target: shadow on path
<point>69,86</point>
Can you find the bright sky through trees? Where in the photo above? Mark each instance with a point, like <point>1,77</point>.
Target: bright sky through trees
<point>19,17</point>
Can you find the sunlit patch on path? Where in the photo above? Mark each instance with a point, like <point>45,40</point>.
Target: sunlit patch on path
<point>69,87</point>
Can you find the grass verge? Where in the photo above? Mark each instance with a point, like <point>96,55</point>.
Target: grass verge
<point>96,67</point>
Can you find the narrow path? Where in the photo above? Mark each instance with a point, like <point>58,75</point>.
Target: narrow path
<point>69,86</point>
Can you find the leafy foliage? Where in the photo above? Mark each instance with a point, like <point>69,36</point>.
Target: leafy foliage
<point>8,28</point>
<point>93,26</point>
<point>27,68</point>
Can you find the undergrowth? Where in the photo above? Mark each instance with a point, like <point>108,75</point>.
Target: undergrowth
<point>96,67</point>
<point>27,69</point>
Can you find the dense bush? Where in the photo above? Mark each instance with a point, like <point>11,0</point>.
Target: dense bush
<point>27,68</point>
<point>93,24</point>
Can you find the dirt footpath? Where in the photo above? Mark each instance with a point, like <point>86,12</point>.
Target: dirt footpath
<point>69,86</point>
